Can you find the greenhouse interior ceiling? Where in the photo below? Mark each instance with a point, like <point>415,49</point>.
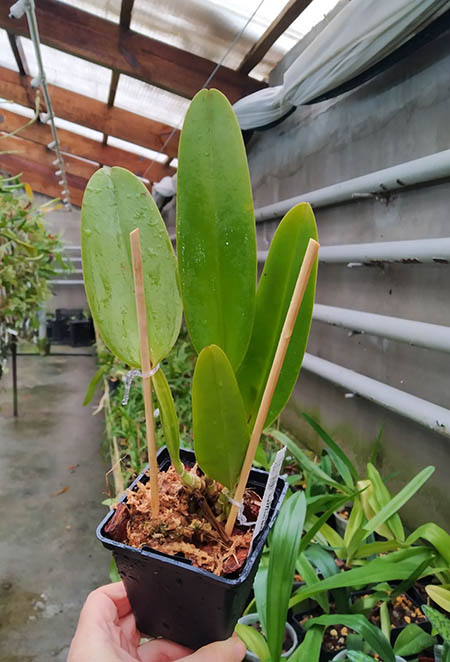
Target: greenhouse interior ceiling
<point>121,74</point>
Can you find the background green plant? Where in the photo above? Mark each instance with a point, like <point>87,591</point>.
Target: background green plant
<point>29,257</point>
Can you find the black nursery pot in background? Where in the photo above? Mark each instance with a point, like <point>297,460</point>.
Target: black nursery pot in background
<point>172,598</point>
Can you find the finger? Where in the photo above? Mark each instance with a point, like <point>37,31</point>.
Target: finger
<point>115,594</point>
<point>230,650</point>
<point>161,650</point>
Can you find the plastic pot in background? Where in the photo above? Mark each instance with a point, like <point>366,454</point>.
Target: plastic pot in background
<point>172,598</point>
<point>343,654</point>
<point>251,619</point>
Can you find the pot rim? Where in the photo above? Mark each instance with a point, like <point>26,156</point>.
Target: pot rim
<point>179,563</point>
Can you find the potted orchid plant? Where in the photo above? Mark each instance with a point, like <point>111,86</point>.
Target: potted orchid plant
<point>174,534</point>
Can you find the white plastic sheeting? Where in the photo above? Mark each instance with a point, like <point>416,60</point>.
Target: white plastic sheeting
<point>6,54</point>
<point>362,34</point>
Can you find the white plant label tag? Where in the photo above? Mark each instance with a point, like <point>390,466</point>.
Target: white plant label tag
<point>272,480</point>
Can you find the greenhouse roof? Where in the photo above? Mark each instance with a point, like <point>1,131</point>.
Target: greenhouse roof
<point>121,74</point>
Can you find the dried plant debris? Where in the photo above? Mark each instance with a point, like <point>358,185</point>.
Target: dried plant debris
<point>188,524</point>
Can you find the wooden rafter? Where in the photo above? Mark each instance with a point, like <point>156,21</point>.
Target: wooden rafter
<point>74,144</point>
<point>100,41</point>
<point>125,14</point>
<point>40,154</point>
<point>41,177</point>
<point>290,12</point>
<point>18,53</point>
<point>93,114</point>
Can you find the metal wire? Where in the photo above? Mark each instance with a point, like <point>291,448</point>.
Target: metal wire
<point>40,81</point>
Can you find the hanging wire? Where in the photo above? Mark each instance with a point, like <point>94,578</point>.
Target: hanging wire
<point>207,81</point>
<point>17,11</point>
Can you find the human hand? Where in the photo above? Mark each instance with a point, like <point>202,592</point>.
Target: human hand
<point>107,632</point>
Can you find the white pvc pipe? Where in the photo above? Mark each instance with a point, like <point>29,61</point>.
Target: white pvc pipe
<point>421,411</point>
<point>426,169</point>
<point>420,334</point>
<point>414,251</point>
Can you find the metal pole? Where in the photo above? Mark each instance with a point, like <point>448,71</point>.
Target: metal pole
<point>426,169</point>
<point>420,334</point>
<point>413,251</point>
<point>14,374</point>
<point>421,411</point>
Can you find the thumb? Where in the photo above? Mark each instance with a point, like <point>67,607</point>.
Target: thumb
<point>230,650</point>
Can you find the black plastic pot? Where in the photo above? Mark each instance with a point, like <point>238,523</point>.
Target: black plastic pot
<point>81,333</point>
<point>327,656</point>
<point>172,598</point>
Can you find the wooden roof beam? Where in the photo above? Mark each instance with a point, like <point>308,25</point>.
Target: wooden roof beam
<point>105,43</point>
<point>19,54</point>
<point>76,145</point>
<point>41,177</point>
<point>291,11</point>
<point>93,114</point>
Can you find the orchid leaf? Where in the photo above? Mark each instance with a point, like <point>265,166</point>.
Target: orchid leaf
<point>343,464</point>
<point>373,635</point>
<point>169,419</point>
<point>282,558</point>
<point>435,535</point>
<point>216,237</point>
<point>115,203</point>
<point>440,595</point>
<point>398,565</point>
<point>254,641</point>
<point>439,621</point>
<point>221,433</point>
<point>309,649</point>
<point>307,465</point>
<point>412,640</point>
<point>273,297</point>
<point>383,496</point>
<point>399,500</point>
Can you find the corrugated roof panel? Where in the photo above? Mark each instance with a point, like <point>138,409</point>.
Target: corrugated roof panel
<point>150,101</point>
<point>6,55</point>
<point>208,27</point>
<point>70,72</point>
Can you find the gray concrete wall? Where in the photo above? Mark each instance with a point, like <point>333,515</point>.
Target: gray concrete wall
<point>401,115</point>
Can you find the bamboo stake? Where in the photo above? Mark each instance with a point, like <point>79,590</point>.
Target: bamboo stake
<point>283,343</point>
<point>146,366</point>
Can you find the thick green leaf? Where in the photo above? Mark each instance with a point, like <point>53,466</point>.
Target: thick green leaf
<point>254,641</point>
<point>412,640</point>
<point>216,238</point>
<point>354,522</point>
<point>283,554</point>
<point>309,649</point>
<point>400,499</point>
<point>397,565</point>
<point>374,637</point>
<point>115,203</point>
<point>260,589</point>
<point>273,297</point>
<point>221,433</point>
